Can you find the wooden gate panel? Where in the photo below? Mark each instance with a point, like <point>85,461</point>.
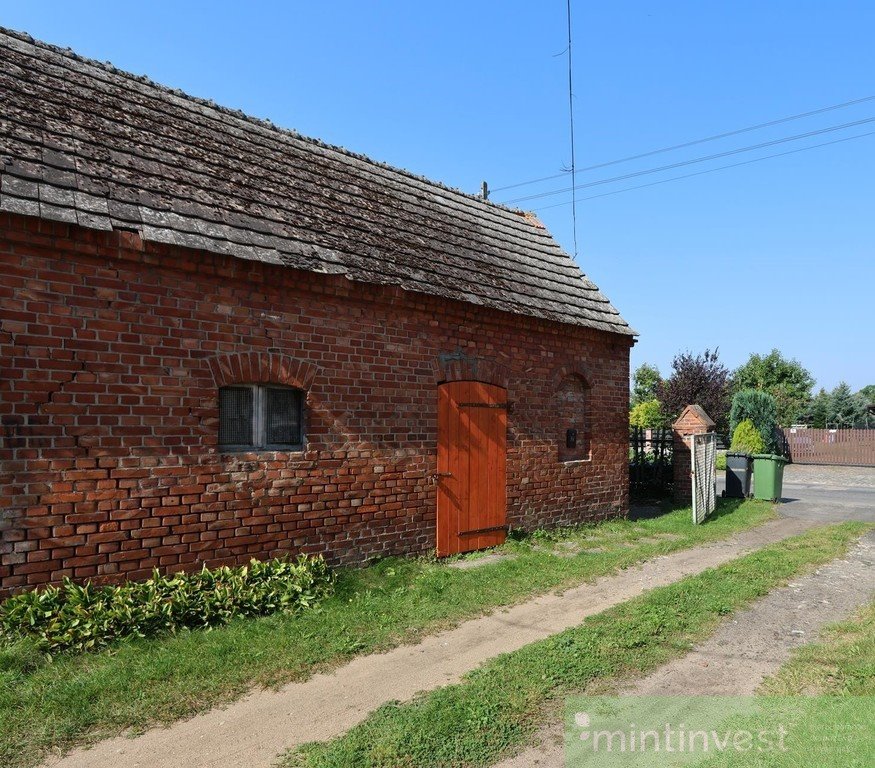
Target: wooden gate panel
<point>847,447</point>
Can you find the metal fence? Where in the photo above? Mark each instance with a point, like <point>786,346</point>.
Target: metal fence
<point>849,447</point>
<point>650,461</point>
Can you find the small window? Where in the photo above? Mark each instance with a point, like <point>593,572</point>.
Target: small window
<point>235,410</point>
<point>260,417</point>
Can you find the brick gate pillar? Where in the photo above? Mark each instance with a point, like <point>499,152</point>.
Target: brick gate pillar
<point>692,421</point>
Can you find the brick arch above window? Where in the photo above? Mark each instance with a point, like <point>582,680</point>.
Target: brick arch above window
<point>459,366</point>
<point>262,368</point>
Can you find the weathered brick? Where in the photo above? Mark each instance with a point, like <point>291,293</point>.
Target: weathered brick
<point>116,469</point>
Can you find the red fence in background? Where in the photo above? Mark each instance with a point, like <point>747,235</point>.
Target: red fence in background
<point>850,447</point>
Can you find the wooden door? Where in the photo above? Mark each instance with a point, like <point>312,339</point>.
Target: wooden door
<point>472,459</point>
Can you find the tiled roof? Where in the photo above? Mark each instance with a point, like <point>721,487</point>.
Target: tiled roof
<point>85,143</point>
<point>699,413</point>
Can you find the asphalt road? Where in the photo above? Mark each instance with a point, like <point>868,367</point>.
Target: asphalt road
<point>829,493</point>
<point>826,494</point>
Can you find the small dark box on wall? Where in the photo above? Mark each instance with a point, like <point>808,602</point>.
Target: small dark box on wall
<point>571,438</point>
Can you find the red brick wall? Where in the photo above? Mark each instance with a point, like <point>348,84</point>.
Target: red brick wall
<point>687,424</point>
<point>112,352</point>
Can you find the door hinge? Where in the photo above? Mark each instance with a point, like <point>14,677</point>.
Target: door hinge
<point>505,406</point>
<point>484,530</point>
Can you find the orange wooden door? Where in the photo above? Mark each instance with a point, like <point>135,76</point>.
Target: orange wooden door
<point>472,460</point>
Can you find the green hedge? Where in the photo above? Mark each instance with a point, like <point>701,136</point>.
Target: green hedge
<point>88,617</point>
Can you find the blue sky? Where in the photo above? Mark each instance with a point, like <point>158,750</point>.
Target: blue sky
<point>779,253</point>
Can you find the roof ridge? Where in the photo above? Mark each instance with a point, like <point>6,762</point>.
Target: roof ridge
<point>262,122</point>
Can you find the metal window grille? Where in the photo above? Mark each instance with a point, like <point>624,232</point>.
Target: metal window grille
<point>282,416</point>
<point>235,416</point>
<point>254,417</point>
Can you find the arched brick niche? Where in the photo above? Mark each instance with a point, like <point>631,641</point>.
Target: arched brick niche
<point>572,404</point>
<point>459,366</point>
<point>564,372</point>
<point>262,368</point>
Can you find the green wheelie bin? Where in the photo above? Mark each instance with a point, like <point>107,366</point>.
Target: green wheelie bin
<point>768,476</point>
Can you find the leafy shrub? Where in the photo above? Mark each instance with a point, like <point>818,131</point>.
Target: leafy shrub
<point>88,617</point>
<point>647,415</point>
<point>747,439</point>
<point>720,461</point>
<point>760,408</point>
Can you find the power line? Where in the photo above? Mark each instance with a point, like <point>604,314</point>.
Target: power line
<point>693,143</point>
<point>571,122</point>
<point>693,161</point>
<point>710,170</point>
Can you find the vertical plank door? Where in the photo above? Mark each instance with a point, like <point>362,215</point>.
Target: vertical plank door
<point>472,462</point>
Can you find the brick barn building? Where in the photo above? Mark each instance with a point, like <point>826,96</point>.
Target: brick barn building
<point>222,340</point>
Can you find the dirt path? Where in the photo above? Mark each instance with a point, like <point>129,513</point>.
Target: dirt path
<point>252,731</point>
<point>749,646</point>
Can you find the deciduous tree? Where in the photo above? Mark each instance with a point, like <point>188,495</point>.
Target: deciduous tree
<point>700,380</point>
<point>785,380</point>
<point>647,414</point>
<point>645,382</point>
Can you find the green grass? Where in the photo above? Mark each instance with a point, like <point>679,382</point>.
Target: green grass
<point>138,683</point>
<point>841,664</point>
<point>498,707</point>
<point>824,698</point>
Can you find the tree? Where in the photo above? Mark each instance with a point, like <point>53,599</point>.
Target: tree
<point>647,414</point>
<point>845,410</point>
<point>645,381</point>
<point>818,412</point>
<point>785,380</point>
<point>758,408</point>
<point>867,402</point>
<point>697,380</point>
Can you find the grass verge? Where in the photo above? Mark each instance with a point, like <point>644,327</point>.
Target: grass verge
<point>138,683</point>
<point>823,698</point>
<point>842,663</point>
<point>498,707</point>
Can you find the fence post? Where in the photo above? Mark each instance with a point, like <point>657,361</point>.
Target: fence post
<point>692,421</point>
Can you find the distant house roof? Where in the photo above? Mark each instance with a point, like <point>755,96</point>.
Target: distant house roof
<point>85,143</point>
